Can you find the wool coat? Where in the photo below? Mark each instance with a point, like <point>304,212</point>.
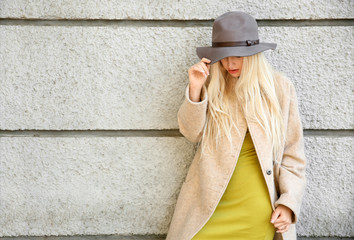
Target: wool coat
<point>209,174</point>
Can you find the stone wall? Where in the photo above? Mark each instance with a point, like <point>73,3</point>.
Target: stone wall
<point>90,91</point>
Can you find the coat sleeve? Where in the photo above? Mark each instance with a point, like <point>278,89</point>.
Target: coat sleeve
<point>292,180</point>
<point>191,116</point>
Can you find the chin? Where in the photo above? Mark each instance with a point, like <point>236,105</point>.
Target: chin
<point>234,75</point>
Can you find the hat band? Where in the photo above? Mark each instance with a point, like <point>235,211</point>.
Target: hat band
<point>235,44</point>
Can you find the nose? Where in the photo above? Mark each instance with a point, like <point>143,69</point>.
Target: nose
<point>229,62</point>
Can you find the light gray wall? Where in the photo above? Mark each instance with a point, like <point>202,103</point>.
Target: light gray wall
<point>89,138</point>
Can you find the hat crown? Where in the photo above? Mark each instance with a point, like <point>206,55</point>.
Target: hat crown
<point>234,26</point>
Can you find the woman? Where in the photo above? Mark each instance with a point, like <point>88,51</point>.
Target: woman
<point>247,178</point>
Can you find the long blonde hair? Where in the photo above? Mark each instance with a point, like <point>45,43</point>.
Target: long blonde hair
<point>255,90</point>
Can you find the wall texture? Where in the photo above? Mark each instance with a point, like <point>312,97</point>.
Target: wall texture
<point>89,94</point>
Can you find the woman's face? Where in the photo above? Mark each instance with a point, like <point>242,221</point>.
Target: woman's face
<point>233,65</point>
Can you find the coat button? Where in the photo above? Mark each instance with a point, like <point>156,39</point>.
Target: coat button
<point>269,171</point>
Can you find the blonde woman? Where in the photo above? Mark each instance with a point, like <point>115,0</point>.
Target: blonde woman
<point>247,179</point>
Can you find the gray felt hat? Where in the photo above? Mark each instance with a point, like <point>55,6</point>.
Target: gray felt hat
<point>234,33</point>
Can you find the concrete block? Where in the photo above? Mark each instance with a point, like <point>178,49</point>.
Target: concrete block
<point>175,9</point>
<point>134,78</point>
<point>327,208</point>
<point>96,186</point>
<point>90,186</point>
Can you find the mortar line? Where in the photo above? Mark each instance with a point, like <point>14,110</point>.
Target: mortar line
<point>169,23</point>
<point>147,133</point>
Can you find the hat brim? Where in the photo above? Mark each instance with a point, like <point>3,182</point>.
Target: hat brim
<point>217,53</point>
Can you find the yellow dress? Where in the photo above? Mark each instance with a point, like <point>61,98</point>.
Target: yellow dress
<point>245,210</point>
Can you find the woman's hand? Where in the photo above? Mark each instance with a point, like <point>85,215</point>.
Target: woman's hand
<point>198,73</point>
<point>281,218</point>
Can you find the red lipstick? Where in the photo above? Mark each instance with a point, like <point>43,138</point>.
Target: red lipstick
<point>233,71</point>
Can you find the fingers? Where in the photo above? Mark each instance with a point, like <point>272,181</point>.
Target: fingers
<point>275,215</point>
<point>205,69</point>
<point>281,218</point>
<point>204,62</point>
<point>281,223</point>
<point>202,67</point>
<point>283,228</point>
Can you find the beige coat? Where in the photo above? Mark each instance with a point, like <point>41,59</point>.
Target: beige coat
<point>208,176</point>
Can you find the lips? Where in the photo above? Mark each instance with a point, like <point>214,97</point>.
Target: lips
<point>233,70</point>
